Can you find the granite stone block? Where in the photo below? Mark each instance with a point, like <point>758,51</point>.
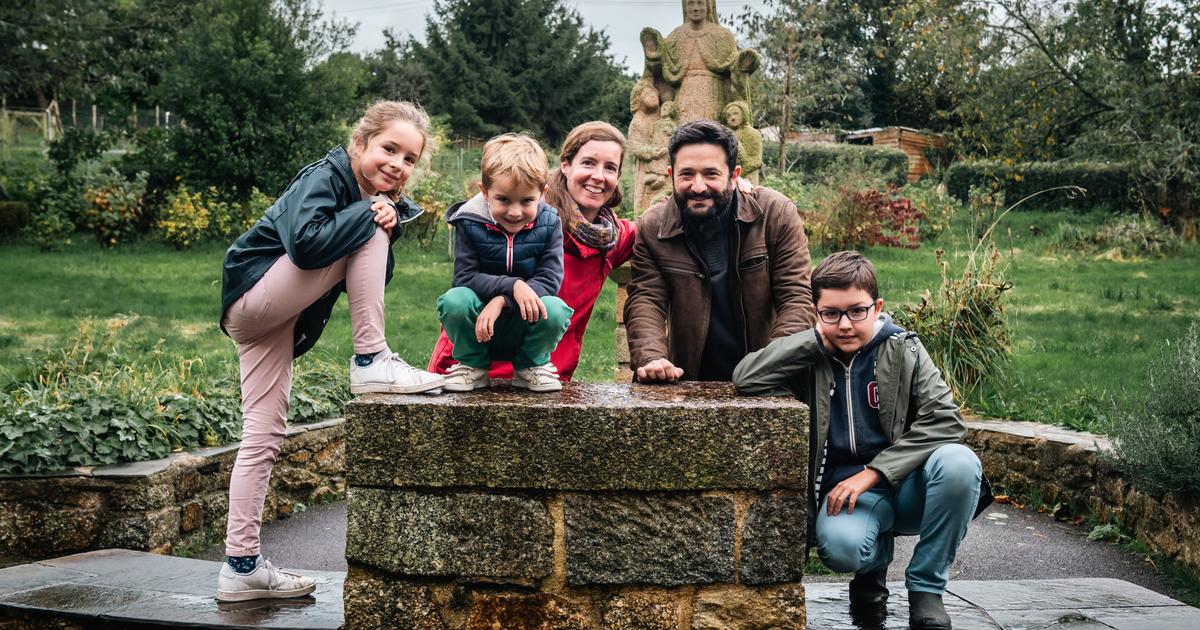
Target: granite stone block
<point>773,538</point>
<point>661,540</point>
<point>588,437</point>
<point>483,536</point>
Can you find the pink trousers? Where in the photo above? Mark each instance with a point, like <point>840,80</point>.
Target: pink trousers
<point>262,323</point>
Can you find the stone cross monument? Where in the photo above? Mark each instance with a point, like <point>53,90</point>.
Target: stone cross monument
<point>696,72</point>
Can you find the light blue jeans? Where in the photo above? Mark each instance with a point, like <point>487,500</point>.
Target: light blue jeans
<point>935,502</point>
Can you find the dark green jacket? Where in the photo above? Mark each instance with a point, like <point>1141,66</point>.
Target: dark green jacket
<point>916,409</point>
<point>319,219</point>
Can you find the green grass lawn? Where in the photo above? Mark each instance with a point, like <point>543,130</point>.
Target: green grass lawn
<point>1084,330</point>
<point>175,297</point>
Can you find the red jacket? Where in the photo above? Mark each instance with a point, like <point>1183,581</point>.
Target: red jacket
<point>584,272</point>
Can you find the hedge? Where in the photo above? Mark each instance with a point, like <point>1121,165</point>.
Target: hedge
<point>1107,186</point>
<point>818,162</point>
<point>14,215</point>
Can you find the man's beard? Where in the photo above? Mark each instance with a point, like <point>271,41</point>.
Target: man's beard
<point>720,201</point>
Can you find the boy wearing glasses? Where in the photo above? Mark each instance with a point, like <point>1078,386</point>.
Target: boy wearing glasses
<point>886,455</point>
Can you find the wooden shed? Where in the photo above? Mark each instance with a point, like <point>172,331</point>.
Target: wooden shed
<point>917,144</point>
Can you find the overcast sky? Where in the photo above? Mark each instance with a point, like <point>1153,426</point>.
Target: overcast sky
<point>621,19</point>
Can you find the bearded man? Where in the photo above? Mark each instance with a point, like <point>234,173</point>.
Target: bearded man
<point>716,273</point>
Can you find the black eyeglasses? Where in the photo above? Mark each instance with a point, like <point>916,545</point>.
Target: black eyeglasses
<point>854,314</point>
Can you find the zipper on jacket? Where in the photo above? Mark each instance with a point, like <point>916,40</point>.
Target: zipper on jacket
<point>737,274</point>
<point>508,256</point>
<point>850,410</point>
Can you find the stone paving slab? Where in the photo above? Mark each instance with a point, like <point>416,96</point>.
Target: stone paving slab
<point>1067,604</point>
<point>117,586</point>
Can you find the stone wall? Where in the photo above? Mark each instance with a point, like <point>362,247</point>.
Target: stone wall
<point>603,506</point>
<point>1068,467</point>
<point>160,505</point>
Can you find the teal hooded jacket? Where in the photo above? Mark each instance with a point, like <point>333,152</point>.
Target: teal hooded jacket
<point>319,219</point>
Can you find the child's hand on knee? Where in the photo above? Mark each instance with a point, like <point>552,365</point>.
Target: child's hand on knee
<point>846,493</point>
<point>485,324</point>
<point>532,307</point>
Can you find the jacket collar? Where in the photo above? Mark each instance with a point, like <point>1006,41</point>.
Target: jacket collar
<point>340,160</point>
<point>748,211</point>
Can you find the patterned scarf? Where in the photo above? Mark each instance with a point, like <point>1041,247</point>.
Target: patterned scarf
<point>599,235</point>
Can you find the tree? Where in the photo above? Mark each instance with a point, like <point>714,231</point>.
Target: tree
<point>395,73</point>
<point>1094,79</point>
<point>506,65</point>
<point>861,63</point>
<point>263,88</point>
<point>109,49</point>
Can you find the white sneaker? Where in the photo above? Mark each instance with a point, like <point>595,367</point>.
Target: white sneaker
<point>264,582</point>
<point>389,374</point>
<point>539,378</point>
<point>464,378</point>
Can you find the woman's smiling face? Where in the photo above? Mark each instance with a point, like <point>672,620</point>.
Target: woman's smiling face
<point>593,174</point>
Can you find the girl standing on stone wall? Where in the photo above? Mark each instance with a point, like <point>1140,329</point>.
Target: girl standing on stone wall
<point>330,231</point>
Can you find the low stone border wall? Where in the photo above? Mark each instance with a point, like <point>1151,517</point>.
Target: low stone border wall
<point>160,505</point>
<point>1065,466</point>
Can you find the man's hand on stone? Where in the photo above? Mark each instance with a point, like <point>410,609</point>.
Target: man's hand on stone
<point>659,371</point>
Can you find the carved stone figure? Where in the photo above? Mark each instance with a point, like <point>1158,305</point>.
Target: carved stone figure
<point>699,70</point>
<point>658,181</point>
<point>643,149</point>
<point>698,59</point>
<point>750,141</point>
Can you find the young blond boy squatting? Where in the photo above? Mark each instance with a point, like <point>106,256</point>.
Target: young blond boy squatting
<point>508,267</point>
<point>888,457</point>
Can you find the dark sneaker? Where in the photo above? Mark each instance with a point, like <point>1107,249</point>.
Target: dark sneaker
<point>927,612</point>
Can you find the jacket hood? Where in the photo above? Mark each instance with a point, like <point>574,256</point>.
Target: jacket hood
<point>884,328</point>
<point>473,209</point>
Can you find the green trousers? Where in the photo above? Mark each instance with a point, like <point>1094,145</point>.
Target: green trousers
<point>514,339</point>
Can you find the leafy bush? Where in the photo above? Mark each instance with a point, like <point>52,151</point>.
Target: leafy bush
<point>1108,186</point>
<point>230,217</point>
<point>114,206</point>
<point>53,221</point>
<point>963,325</point>
<point>184,220</point>
<point>77,146</point>
<point>1156,438</point>
<point>189,218</point>
<point>936,206</point>
<point>816,163</point>
<point>435,193</point>
<point>853,211</point>
<point>150,152</point>
<point>94,403</point>
<point>1124,238</point>
<point>14,216</point>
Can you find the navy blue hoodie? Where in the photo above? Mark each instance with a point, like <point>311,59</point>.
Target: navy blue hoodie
<point>855,435</point>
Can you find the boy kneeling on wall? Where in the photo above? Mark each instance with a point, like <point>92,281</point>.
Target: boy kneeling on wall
<point>886,456</point>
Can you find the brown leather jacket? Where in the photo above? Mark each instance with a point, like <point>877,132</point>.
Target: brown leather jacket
<point>669,296</point>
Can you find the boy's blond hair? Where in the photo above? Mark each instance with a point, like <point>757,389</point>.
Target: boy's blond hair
<point>516,155</point>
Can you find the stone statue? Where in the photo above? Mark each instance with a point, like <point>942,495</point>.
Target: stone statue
<point>644,151</point>
<point>699,70</point>
<point>750,141</point>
